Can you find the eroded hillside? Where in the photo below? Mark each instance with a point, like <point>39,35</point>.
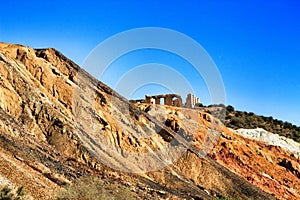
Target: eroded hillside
<point>58,123</point>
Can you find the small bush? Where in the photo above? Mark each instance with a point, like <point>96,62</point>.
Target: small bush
<point>230,108</point>
<point>8,194</point>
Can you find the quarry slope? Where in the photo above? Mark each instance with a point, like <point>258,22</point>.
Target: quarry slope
<point>58,123</point>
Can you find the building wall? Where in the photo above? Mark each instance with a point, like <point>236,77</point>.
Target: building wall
<point>191,100</point>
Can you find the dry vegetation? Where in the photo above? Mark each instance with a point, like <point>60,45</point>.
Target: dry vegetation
<point>91,188</point>
<point>6,193</point>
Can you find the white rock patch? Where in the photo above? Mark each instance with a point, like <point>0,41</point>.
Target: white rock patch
<point>262,135</point>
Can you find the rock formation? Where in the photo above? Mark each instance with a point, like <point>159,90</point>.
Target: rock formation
<point>58,123</point>
<point>262,135</point>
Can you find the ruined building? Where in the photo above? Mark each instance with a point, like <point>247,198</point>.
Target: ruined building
<point>191,101</point>
<point>170,100</point>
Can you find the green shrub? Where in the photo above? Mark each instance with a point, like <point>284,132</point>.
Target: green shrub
<point>230,108</point>
<point>238,122</point>
<point>237,119</point>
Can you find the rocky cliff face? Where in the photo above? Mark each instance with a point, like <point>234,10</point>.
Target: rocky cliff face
<point>58,123</point>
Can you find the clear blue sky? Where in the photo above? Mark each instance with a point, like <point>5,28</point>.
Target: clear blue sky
<point>255,44</point>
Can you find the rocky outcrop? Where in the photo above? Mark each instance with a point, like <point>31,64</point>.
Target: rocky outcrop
<point>262,135</point>
<point>269,167</point>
